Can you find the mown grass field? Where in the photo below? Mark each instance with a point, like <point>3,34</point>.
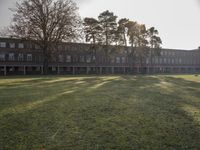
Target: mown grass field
<point>100,112</point>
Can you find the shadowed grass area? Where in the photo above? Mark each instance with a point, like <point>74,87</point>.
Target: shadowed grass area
<point>100,112</point>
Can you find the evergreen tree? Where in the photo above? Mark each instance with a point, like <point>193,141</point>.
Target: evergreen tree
<point>108,24</point>
<point>154,42</point>
<point>92,30</point>
<point>122,31</point>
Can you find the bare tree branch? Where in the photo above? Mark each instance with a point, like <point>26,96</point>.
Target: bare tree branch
<point>46,21</point>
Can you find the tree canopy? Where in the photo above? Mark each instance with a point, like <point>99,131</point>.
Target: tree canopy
<point>111,31</point>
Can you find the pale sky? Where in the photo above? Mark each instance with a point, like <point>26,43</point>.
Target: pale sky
<point>178,21</point>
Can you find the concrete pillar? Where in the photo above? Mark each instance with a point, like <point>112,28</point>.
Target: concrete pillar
<point>24,70</point>
<point>87,70</point>
<point>154,69</point>
<point>179,69</point>
<point>130,70</point>
<point>138,69</point>
<point>58,71</point>
<point>100,70</point>
<point>148,69</point>
<point>42,70</point>
<point>113,70</point>
<point>73,70</point>
<point>124,70</point>
<point>5,71</point>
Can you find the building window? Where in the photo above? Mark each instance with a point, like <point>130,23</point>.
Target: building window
<point>156,60</point>
<point>112,60</point>
<point>176,61</point>
<point>11,57</point>
<point>180,61</point>
<point>75,58</point>
<point>21,45</point>
<point>12,45</point>
<point>68,58</point>
<point>93,58</point>
<point>147,61</point>
<point>152,60</point>
<point>161,53</point>
<point>82,59</point>
<point>190,62</point>
<point>88,60</point>
<point>165,60</point>
<point>172,61</point>
<point>20,57</point>
<point>123,60</point>
<point>53,68</point>
<point>3,44</point>
<point>37,69</point>
<point>30,46</point>
<point>160,60</point>
<point>29,57</point>
<point>169,61</point>
<point>60,58</point>
<point>60,47</point>
<point>2,57</point>
<point>186,61</point>
<point>37,46</point>
<point>117,60</point>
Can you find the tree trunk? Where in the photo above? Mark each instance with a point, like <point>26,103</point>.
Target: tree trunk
<point>132,59</point>
<point>106,34</point>
<point>46,61</point>
<point>150,59</point>
<point>46,66</point>
<point>125,41</point>
<point>106,54</point>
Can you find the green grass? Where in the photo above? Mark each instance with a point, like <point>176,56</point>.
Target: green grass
<point>100,112</point>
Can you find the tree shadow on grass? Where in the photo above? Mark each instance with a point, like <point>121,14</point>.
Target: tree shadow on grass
<point>149,116</point>
<point>117,112</point>
<point>32,119</point>
<point>28,90</point>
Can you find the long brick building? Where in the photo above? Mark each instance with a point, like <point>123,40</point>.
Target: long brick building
<point>23,57</point>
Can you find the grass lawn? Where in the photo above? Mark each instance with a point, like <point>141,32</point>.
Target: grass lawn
<point>100,112</point>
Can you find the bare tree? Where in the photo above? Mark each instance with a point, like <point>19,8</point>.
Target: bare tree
<point>4,31</point>
<point>46,22</point>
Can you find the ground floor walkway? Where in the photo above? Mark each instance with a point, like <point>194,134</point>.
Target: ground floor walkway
<point>73,70</point>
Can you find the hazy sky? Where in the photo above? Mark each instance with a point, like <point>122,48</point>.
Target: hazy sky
<point>178,21</point>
